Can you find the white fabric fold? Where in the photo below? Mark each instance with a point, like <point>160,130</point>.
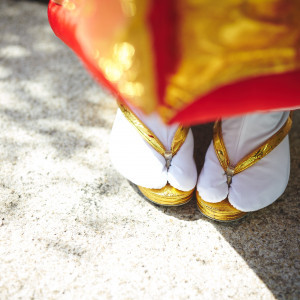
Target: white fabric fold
<point>259,185</point>
<point>140,163</point>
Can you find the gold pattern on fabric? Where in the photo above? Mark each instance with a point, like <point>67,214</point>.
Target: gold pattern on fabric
<point>178,140</point>
<point>255,155</point>
<point>122,54</point>
<point>137,82</point>
<point>219,146</point>
<point>221,211</point>
<point>167,196</point>
<point>226,41</point>
<point>219,43</point>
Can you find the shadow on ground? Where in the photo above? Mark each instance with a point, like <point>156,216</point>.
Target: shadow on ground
<point>268,240</point>
<point>26,52</point>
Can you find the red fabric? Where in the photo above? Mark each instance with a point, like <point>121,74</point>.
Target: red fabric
<point>64,25</point>
<point>162,20</point>
<point>256,94</point>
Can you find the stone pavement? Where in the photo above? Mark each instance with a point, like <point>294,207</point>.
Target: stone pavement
<point>73,228</point>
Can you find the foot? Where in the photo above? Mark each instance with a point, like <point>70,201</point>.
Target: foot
<point>140,163</point>
<point>262,183</point>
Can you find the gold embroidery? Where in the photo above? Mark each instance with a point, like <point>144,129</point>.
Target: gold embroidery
<point>219,42</point>
<point>226,41</point>
<point>126,58</point>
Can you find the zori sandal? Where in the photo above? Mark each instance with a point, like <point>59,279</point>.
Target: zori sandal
<point>167,195</point>
<point>224,211</point>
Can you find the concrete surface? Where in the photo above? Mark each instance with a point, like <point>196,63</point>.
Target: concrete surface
<point>72,228</point>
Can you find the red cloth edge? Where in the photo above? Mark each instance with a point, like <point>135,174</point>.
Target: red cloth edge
<point>260,94</point>
<point>64,25</point>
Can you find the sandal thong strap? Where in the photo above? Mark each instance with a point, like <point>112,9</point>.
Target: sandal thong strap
<point>253,157</point>
<point>178,140</point>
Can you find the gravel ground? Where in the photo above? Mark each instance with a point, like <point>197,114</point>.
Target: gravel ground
<point>73,228</point>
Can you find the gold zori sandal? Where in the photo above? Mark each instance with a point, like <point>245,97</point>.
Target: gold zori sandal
<point>168,195</point>
<point>224,211</point>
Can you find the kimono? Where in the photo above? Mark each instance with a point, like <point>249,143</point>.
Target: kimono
<point>192,61</point>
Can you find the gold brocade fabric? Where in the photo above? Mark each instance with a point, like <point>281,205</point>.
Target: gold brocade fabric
<point>219,42</point>
<point>115,34</point>
<point>130,63</point>
<point>229,40</point>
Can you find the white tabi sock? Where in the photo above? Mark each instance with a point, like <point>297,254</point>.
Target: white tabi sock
<point>259,185</point>
<point>140,163</point>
